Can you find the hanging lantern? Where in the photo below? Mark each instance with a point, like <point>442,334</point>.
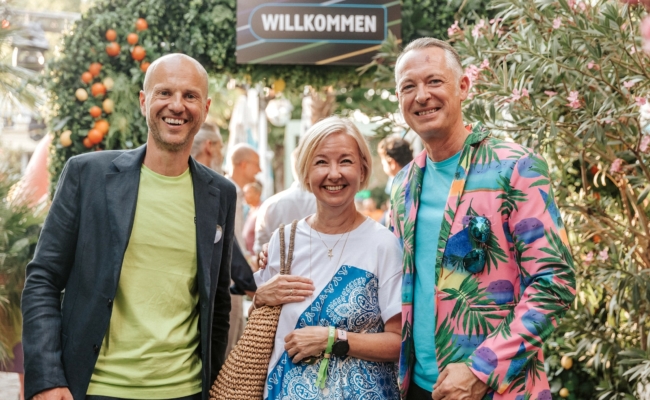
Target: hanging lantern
<point>29,45</point>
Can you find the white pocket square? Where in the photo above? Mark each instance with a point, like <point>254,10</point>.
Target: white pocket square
<point>218,235</point>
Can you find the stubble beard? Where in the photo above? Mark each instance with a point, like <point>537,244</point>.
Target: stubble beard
<point>167,146</point>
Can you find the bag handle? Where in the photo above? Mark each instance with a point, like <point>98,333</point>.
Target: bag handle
<point>285,264</point>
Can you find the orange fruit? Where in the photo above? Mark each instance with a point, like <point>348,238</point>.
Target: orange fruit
<point>132,38</point>
<point>566,362</point>
<point>108,106</point>
<point>86,77</point>
<point>95,68</point>
<point>564,393</point>
<point>81,94</point>
<point>145,66</point>
<point>138,53</point>
<point>87,142</point>
<point>94,136</point>
<point>95,111</point>
<point>64,139</point>
<point>113,49</point>
<point>596,239</point>
<point>98,89</point>
<point>111,35</point>
<point>101,126</point>
<point>141,24</point>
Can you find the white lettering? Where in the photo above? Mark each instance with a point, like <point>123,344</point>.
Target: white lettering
<point>371,23</point>
<point>308,25</point>
<point>287,25</point>
<point>270,22</point>
<point>347,21</point>
<point>334,21</point>
<point>281,22</point>
<point>358,23</point>
<point>320,22</point>
<point>296,22</point>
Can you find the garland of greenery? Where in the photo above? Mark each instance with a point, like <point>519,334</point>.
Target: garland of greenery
<point>86,75</point>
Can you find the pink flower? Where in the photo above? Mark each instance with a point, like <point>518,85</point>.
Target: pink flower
<point>572,4</point>
<point>583,6</point>
<point>557,23</point>
<point>617,166</point>
<point>516,94</point>
<point>603,255</point>
<point>645,143</point>
<point>550,93</point>
<point>633,50</point>
<point>640,101</point>
<point>476,32</point>
<point>495,21</point>
<point>589,257</point>
<point>591,65</point>
<point>573,99</point>
<point>484,65</point>
<point>628,84</point>
<point>452,30</point>
<point>472,72</point>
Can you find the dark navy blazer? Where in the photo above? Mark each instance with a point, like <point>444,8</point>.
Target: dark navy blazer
<point>81,249</point>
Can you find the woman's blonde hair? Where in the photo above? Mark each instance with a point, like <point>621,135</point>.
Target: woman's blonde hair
<point>315,136</point>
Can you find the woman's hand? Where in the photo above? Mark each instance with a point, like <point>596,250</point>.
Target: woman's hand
<point>263,256</point>
<point>282,289</point>
<point>306,342</point>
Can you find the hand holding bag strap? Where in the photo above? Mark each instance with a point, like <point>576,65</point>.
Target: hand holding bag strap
<point>285,264</point>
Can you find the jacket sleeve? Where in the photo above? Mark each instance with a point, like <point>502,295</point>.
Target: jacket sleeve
<point>539,249</point>
<point>46,278</point>
<point>221,313</point>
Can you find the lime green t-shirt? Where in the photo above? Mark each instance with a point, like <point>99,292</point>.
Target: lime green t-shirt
<point>150,350</point>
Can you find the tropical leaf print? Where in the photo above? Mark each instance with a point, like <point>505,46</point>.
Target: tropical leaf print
<point>445,344</point>
<point>503,328</point>
<point>473,321</point>
<point>510,196</point>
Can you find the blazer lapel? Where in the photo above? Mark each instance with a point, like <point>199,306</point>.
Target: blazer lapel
<point>121,198</point>
<point>206,207</point>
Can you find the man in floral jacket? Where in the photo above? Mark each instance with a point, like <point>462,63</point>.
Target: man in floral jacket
<point>485,249</point>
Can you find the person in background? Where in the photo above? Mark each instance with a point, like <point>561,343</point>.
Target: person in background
<point>370,209</point>
<point>253,199</point>
<point>208,146</point>
<point>395,153</point>
<point>282,208</point>
<point>487,273</point>
<point>338,334</point>
<point>128,292</point>
<point>244,165</point>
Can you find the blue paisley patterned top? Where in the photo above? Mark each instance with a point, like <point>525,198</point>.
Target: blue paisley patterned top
<point>357,296</point>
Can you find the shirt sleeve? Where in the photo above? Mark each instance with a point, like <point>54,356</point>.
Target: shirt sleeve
<point>390,277</point>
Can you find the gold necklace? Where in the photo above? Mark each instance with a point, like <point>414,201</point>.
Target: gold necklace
<point>330,251</point>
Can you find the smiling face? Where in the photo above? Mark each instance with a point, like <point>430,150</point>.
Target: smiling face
<point>174,102</point>
<point>336,171</point>
<point>430,93</point>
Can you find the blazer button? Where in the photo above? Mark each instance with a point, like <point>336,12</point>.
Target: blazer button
<point>95,348</point>
<point>110,303</point>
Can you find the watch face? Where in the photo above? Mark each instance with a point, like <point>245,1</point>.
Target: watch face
<point>340,348</point>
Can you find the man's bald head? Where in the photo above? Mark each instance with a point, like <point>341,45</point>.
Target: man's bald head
<point>242,152</point>
<point>176,60</point>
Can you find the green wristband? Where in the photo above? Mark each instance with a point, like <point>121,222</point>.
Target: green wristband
<point>322,371</point>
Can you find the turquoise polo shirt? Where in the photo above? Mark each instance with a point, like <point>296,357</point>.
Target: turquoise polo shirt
<point>435,190</point>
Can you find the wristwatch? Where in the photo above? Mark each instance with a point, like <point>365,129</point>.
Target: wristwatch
<point>341,346</point>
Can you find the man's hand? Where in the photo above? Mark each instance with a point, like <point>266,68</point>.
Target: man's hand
<point>60,393</point>
<point>458,382</point>
<point>306,342</point>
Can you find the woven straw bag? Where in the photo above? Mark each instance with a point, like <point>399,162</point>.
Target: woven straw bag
<point>243,375</point>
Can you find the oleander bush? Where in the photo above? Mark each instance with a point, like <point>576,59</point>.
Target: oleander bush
<point>570,77</point>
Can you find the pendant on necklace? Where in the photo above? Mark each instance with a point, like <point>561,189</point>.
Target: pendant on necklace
<point>329,253</point>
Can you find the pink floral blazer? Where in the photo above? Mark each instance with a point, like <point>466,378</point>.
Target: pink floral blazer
<point>497,319</point>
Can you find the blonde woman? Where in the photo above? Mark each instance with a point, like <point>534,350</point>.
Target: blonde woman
<point>339,330</point>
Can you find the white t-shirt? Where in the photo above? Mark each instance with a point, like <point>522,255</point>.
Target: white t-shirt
<point>371,256</point>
